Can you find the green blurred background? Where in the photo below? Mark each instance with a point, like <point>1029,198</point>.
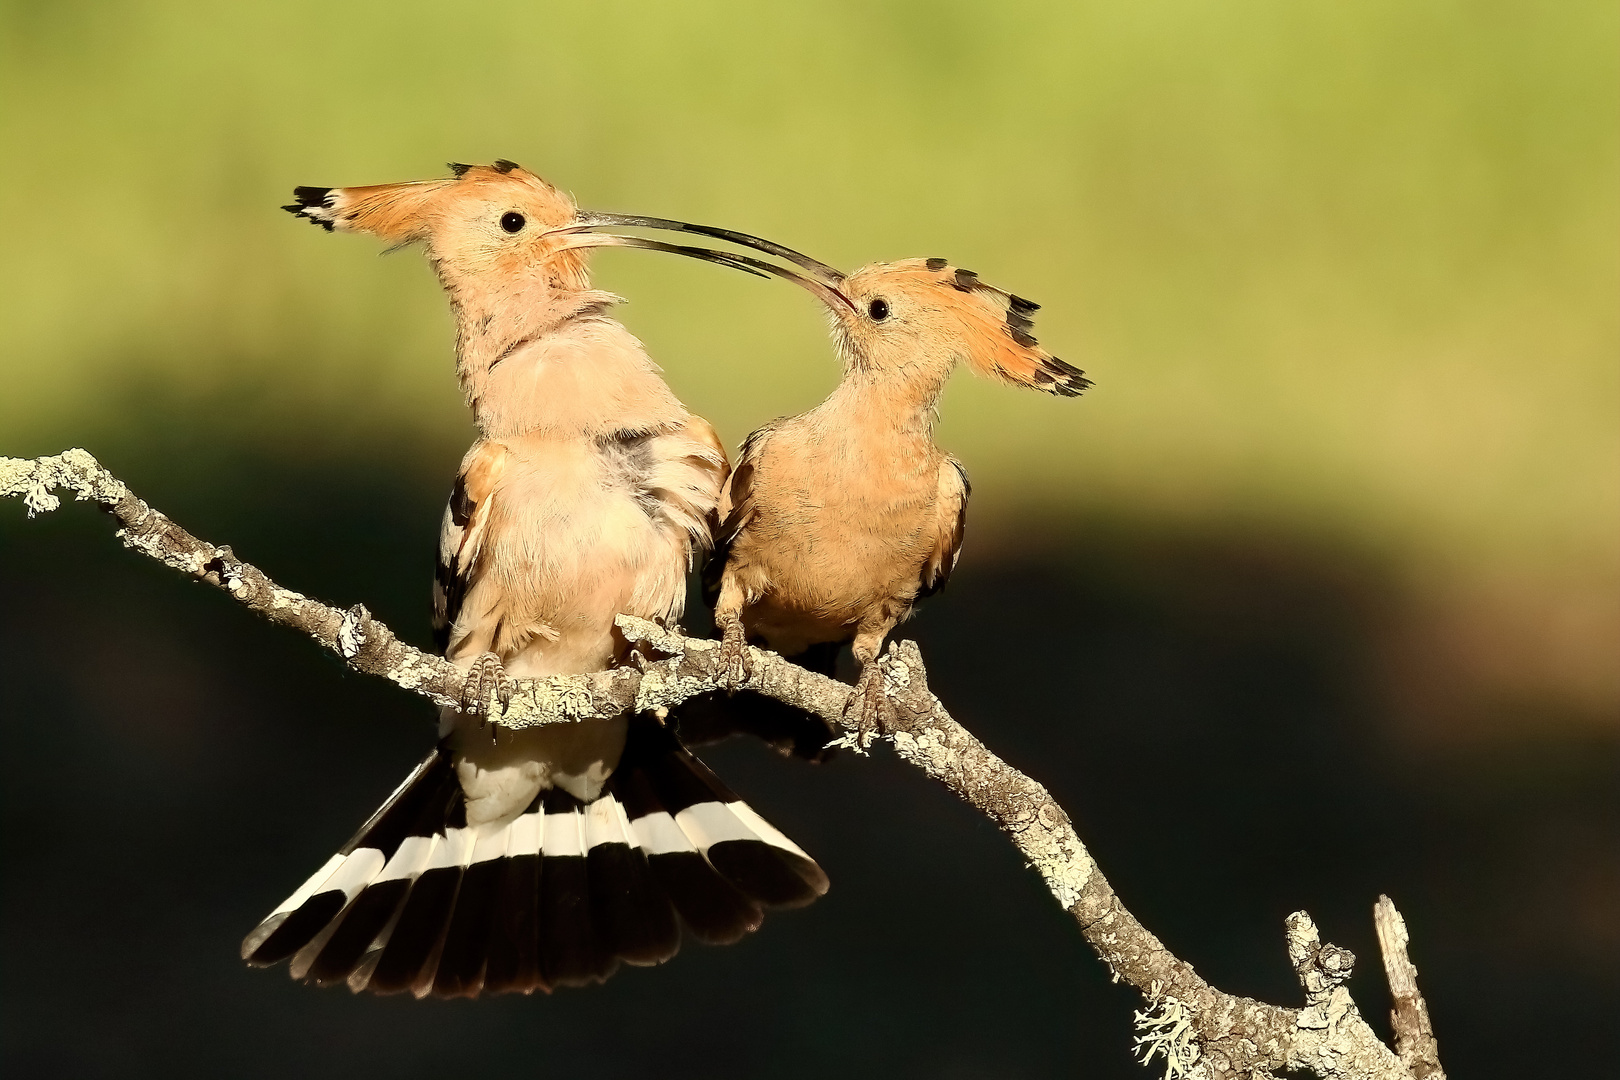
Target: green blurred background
<point>1344,271</point>
<point>1345,276</point>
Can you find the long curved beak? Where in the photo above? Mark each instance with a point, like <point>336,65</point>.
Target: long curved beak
<point>719,258</point>
<point>577,236</point>
<point>593,219</point>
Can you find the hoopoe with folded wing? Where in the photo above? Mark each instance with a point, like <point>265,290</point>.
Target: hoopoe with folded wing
<point>837,521</point>
<point>523,860</point>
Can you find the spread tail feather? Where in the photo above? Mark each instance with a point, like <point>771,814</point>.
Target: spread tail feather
<point>558,895</point>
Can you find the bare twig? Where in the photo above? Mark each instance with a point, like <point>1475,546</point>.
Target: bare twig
<point>1414,1035</point>
<point>1197,1030</point>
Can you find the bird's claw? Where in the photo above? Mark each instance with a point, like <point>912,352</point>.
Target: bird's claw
<point>865,716</point>
<point>485,685</point>
<point>736,665</point>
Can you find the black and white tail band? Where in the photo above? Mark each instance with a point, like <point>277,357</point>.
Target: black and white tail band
<point>557,896</point>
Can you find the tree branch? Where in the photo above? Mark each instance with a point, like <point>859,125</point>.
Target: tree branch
<point>1198,1030</point>
<point>365,644</point>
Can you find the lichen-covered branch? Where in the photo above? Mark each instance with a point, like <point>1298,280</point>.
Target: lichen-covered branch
<point>365,644</point>
<point>1188,1028</point>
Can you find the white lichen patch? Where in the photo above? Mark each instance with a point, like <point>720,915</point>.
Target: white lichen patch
<point>923,751</point>
<point>848,741</point>
<point>648,632</point>
<point>351,635</point>
<point>412,672</point>
<point>1330,1014</point>
<point>35,479</point>
<point>1167,1031</point>
<point>661,687</point>
<point>1065,873</point>
<point>896,675</point>
<point>567,698</point>
<point>39,500</point>
<point>187,562</point>
<point>282,599</point>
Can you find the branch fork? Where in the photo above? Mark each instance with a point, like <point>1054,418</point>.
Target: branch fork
<point>1198,1031</point>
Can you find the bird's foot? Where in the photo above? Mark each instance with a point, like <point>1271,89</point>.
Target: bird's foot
<point>735,664</point>
<point>866,714</point>
<point>486,685</point>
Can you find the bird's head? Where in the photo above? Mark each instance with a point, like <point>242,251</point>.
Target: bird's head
<point>926,316</point>
<point>486,222</point>
<point>491,231</point>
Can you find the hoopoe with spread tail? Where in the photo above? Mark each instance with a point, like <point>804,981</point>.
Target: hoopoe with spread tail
<point>837,521</point>
<point>523,860</point>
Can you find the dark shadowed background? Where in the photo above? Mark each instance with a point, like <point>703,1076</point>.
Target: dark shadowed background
<point>1315,596</point>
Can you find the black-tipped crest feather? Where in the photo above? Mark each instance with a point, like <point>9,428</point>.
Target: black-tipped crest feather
<point>314,205</point>
<point>1050,374</point>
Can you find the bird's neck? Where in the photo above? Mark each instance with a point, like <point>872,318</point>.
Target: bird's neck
<point>495,318</point>
<point>536,362</point>
<point>497,327</point>
<point>881,403</point>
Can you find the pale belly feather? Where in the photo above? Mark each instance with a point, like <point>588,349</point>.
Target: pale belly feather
<point>571,546</point>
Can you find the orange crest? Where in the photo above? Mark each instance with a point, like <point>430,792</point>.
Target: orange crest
<point>999,342</point>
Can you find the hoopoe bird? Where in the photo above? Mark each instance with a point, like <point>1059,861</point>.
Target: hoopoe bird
<point>838,520</point>
<point>523,860</point>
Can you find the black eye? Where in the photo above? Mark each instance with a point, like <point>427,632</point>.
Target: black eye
<point>878,309</point>
<point>512,221</point>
